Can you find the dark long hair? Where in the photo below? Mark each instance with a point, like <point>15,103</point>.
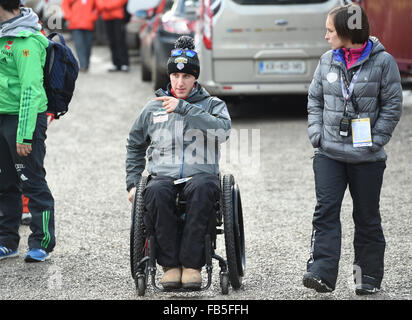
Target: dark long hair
<point>342,18</point>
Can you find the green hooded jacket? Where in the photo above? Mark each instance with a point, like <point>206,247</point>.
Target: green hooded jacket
<point>22,58</point>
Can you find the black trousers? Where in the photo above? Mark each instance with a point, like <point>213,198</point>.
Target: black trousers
<point>187,246</point>
<point>365,182</point>
<point>24,175</point>
<point>116,34</point>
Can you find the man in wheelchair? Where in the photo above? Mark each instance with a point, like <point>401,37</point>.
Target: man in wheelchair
<point>182,121</point>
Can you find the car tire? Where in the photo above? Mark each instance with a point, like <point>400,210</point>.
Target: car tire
<point>146,73</point>
<point>159,78</point>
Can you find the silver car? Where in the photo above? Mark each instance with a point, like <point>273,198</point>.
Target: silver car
<point>260,47</point>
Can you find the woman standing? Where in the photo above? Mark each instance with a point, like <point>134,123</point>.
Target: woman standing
<point>354,104</point>
<point>81,15</point>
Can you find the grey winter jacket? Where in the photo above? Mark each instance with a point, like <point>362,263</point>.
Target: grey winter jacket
<point>377,92</point>
<point>180,144</point>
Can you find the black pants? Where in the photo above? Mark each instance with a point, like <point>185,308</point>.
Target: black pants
<point>24,175</point>
<point>188,247</point>
<point>365,182</point>
<point>116,34</point>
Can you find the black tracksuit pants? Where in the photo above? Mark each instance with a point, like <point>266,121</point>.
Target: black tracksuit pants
<point>24,175</point>
<point>116,34</point>
<point>187,246</point>
<point>365,182</point>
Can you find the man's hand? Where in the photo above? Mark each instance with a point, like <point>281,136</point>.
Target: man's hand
<point>23,150</point>
<point>169,103</point>
<point>131,194</point>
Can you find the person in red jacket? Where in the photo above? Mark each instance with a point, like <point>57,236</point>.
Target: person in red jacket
<point>81,15</point>
<point>113,13</point>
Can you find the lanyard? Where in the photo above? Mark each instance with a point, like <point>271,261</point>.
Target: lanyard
<point>347,89</point>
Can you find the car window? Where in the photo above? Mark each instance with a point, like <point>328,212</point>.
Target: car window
<point>187,7</point>
<point>191,5</point>
<point>246,2</point>
<point>168,5</point>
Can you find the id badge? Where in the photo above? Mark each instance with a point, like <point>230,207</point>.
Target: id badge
<point>361,132</point>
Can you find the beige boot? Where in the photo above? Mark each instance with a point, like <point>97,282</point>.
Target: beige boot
<point>171,278</point>
<point>191,278</point>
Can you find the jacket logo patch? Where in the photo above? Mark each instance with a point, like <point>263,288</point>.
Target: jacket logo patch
<point>162,118</point>
<point>8,45</point>
<point>26,53</point>
<point>160,112</point>
<point>331,77</point>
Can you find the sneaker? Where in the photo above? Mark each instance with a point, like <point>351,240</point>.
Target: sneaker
<point>26,218</point>
<point>36,255</point>
<point>124,68</point>
<point>7,253</point>
<point>313,281</point>
<point>365,289</point>
<point>113,68</point>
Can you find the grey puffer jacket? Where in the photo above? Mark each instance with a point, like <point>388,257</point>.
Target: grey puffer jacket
<point>378,94</point>
<point>180,144</point>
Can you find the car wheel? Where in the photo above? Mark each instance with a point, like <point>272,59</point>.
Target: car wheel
<point>159,78</point>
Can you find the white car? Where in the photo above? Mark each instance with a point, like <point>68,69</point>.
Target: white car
<point>260,47</point>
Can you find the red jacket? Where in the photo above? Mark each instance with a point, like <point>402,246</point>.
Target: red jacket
<point>111,9</point>
<point>81,14</point>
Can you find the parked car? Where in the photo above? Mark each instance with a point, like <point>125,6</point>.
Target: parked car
<point>139,11</point>
<point>260,47</point>
<point>157,39</point>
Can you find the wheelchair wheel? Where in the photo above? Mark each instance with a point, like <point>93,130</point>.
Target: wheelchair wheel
<point>138,236</point>
<point>224,283</point>
<point>141,285</point>
<point>233,230</point>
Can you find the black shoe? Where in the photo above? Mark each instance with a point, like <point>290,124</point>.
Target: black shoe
<point>313,281</point>
<point>366,289</point>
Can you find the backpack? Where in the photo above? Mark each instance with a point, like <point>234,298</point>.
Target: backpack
<point>60,73</point>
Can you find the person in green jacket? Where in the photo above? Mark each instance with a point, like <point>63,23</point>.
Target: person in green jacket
<point>23,123</point>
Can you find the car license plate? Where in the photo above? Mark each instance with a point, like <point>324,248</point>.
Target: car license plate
<point>282,67</point>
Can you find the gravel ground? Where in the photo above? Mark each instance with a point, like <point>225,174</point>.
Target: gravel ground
<point>85,165</point>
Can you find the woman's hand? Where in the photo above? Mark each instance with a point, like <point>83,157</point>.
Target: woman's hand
<point>131,194</point>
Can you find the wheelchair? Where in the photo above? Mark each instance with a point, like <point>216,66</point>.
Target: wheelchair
<point>229,222</point>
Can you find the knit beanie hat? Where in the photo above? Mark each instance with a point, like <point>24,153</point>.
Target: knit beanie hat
<point>184,60</point>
